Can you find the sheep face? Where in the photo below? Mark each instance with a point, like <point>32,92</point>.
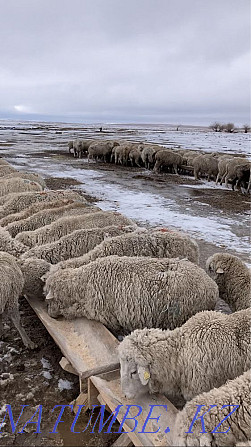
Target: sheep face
<point>134,378</point>
<point>53,308</point>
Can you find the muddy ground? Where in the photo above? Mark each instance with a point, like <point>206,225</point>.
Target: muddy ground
<point>34,377</point>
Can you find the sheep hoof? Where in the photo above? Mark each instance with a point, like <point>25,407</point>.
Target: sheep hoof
<point>31,345</point>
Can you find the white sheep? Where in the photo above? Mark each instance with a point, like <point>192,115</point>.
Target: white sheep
<point>125,293</point>
<point>5,170</point>
<point>216,405</point>
<point>233,279</point>
<point>33,209</point>
<point>207,350</point>
<point>74,244</point>
<point>10,245</point>
<point>66,225</point>
<point>231,166</point>
<point>169,159</point>
<point>33,270</point>
<point>47,216</point>
<point>15,202</point>
<point>159,243</point>
<point>28,176</point>
<point>11,286</point>
<point>16,184</point>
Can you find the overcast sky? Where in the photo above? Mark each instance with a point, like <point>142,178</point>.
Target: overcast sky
<point>166,61</point>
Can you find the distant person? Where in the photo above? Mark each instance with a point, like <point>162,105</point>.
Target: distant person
<point>100,129</point>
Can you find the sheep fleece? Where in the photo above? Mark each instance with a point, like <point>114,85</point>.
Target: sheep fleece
<point>128,293</point>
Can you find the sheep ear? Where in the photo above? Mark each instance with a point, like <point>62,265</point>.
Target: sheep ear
<point>219,270</point>
<point>144,375</point>
<point>49,296</point>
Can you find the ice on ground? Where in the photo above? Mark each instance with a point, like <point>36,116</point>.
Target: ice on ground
<point>64,384</point>
<point>47,375</point>
<point>45,363</point>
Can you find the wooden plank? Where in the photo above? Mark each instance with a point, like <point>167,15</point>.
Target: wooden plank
<point>122,441</point>
<point>66,366</point>
<point>112,396</point>
<point>87,345</point>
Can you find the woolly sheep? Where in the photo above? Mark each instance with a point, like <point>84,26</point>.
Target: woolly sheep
<point>47,216</point>
<point>33,209</point>
<point>207,164</point>
<point>231,165</point>
<point>167,158</point>
<point>28,176</point>
<point>16,202</point>
<point>66,225</point>
<point>233,279</point>
<point>5,170</point>
<point>70,146</point>
<point>153,243</point>
<point>3,162</point>
<point>242,176</point>
<point>148,155</point>
<point>101,149</point>
<point>16,184</point>
<point>233,430</point>
<point>10,245</point>
<point>135,157</point>
<point>125,293</point>
<point>207,350</point>
<point>11,286</point>
<point>74,244</point>
<point>222,163</point>
<point>33,270</point>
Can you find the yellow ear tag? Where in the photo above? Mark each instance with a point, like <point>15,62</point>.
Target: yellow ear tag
<point>146,375</point>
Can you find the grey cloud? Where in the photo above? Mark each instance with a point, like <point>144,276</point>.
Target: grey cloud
<point>140,58</point>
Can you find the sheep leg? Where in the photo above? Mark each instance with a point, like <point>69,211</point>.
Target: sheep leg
<point>15,317</point>
<point>226,181</point>
<point>175,168</point>
<point>217,179</point>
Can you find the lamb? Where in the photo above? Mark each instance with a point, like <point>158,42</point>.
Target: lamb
<point>169,159</point>
<point>159,243</point>
<point>28,176</point>
<point>11,286</point>
<point>33,270</point>
<point>66,225</point>
<point>207,350</point>
<point>15,202</point>
<point>233,279</point>
<point>74,244</point>
<point>125,293</point>
<point>10,245</point>
<point>231,165</point>
<point>233,430</point>
<point>47,216</point>
<point>33,209</point>
<point>207,164</point>
<point>8,186</point>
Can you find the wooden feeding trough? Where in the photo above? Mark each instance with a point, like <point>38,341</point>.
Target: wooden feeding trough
<point>90,351</point>
<point>89,348</point>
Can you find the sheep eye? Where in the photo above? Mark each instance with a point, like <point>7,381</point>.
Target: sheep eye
<point>132,374</point>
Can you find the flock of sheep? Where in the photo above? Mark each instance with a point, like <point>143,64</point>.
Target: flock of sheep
<point>145,285</point>
<point>216,166</point>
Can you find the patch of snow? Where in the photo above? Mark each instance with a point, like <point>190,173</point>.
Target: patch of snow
<point>64,385</point>
<point>45,363</point>
<point>47,375</point>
